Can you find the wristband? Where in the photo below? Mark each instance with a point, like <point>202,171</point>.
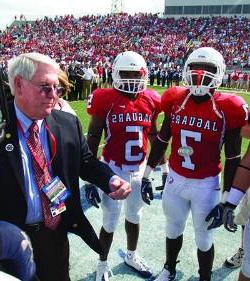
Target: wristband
<point>235,195</point>
<point>147,171</point>
<point>165,168</point>
<point>161,140</point>
<point>234,157</point>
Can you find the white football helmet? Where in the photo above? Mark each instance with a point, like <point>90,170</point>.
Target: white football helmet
<point>197,80</point>
<point>129,61</point>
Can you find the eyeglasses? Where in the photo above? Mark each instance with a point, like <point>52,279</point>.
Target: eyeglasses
<point>47,89</point>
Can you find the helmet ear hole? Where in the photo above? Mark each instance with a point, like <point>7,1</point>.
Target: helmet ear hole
<point>130,73</point>
<point>211,63</point>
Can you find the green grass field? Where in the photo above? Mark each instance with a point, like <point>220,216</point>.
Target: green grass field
<point>152,237</point>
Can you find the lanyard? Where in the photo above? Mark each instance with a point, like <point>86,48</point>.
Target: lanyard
<point>51,136</point>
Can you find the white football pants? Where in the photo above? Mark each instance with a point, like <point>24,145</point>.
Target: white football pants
<point>133,203</point>
<point>182,195</point>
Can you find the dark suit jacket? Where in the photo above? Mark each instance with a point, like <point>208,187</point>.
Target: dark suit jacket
<point>73,159</point>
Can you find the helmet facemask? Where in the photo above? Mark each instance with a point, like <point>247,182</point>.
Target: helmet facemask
<point>203,71</point>
<point>200,81</point>
<point>125,83</point>
<point>130,73</point>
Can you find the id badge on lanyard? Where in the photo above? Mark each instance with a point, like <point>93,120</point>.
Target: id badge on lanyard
<point>57,193</point>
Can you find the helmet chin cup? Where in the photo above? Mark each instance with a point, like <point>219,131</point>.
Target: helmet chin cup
<point>199,91</point>
<point>130,86</point>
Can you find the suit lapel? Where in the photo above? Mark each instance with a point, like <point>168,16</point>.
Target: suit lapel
<point>12,146</point>
<point>55,145</point>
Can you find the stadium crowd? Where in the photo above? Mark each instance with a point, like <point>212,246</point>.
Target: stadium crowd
<point>98,39</point>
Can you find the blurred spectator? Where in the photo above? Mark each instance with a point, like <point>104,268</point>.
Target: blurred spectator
<point>16,256</point>
<point>62,104</point>
<point>88,77</point>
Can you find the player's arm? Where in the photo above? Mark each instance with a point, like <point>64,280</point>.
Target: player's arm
<point>159,146</point>
<point>157,152</point>
<point>245,131</point>
<point>153,136</point>
<point>232,155</point>
<point>153,132</point>
<point>95,129</point>
<point>163,162</point>
<point>242,176</point>
<point>237,191</point>
<point>232,148</point>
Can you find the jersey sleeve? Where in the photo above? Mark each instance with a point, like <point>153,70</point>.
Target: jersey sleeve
<point>97,103</point>
<point>236,112</point>
<point>156,99</point>
<point>170,96</point>
<point>166,101</point>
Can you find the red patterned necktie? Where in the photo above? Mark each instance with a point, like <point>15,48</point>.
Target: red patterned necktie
<point>41,173</point>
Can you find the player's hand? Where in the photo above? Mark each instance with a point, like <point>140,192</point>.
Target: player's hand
<point>119,187</point>
<point>146,191</point>
<point>228,217</point>
<point>216,216</point>
<point>164,179</point>
<point>92,195</point>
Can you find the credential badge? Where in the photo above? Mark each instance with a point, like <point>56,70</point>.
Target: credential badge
<point>9,147</point>
<point>185,151</point>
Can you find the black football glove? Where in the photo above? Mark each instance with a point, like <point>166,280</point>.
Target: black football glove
<point>216,215</point>
<point>164,179</point>
<point>92,195</point>
<point>146,191</point>
<point>228,217</point>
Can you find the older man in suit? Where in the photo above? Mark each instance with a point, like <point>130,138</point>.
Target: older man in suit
<point>41,158</point>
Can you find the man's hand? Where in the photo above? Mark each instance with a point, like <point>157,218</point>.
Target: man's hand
<point>119,187</point>
<point>146,191</point>
<point>92,195</point>
<point>228,217</point>
<point>216,215</point>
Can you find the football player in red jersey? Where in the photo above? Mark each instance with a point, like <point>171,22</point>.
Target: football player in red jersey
<point>127,113</point>
<point>199,120</point>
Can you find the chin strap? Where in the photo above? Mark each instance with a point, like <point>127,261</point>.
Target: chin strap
<point>213,103</point>
<point>214,106</point>
<point>184,103</point>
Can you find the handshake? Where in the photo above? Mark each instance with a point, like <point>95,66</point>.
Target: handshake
<point>223,213</point>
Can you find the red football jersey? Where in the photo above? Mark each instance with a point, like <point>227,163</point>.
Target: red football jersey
<point>198,132</point>
<point>128,123</point>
